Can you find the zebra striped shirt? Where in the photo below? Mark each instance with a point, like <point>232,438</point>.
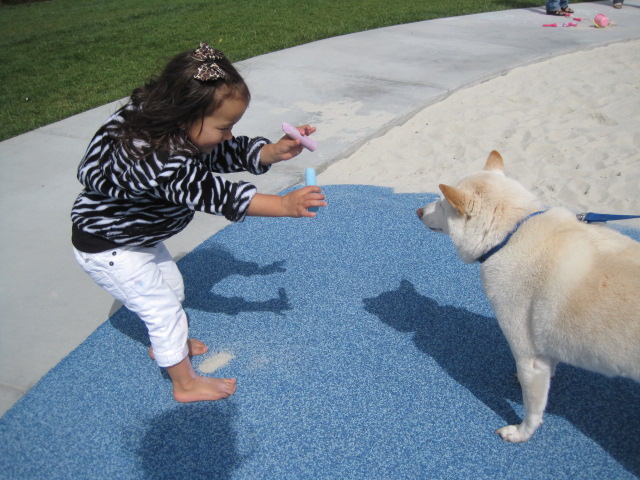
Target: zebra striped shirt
<point>141,203</point>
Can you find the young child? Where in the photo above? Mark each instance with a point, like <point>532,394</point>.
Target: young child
<point>149,167</point>
<point>559,8</point>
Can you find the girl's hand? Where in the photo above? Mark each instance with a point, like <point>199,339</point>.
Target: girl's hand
<point>298,201</point>
<point>293,204</point>
<point>285,148</point>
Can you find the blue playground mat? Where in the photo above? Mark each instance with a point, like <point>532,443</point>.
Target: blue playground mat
<point>363,348</point>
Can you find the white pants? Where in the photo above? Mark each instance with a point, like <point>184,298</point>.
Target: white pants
<point>147,281</point>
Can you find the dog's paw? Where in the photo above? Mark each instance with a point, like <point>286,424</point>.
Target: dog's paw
<point>513,434</point>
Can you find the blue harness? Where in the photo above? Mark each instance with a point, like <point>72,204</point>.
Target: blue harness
<point>486,256</point>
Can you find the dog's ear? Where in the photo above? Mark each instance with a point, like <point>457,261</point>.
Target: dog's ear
<point>455,197</point>
<point>494,162</point>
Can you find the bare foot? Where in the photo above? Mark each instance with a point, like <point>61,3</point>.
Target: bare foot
<point>205,389</point>
<point>190,387</point>
<point>196,347</point>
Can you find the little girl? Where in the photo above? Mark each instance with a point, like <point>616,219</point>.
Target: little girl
<point>559,8</point>
<point>149,167</point>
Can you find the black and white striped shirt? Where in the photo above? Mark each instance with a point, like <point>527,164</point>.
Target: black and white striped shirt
<point>143,202</point>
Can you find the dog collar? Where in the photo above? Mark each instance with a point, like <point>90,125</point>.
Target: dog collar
<point>495,249</point>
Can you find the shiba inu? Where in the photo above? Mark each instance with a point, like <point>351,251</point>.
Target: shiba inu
<point>562,290</point>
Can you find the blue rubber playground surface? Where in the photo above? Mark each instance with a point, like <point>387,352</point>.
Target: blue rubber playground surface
<point>363,348</point>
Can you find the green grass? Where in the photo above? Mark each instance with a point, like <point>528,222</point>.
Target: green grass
<point>62,57</point>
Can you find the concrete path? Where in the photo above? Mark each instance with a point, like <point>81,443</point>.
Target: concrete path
<point>352,88</point>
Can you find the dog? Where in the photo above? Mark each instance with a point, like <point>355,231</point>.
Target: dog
<point>562,290</point>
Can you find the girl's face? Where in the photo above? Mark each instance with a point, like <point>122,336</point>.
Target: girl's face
<point>213,129</point>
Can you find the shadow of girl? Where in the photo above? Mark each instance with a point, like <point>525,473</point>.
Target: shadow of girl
<point>205,267</point>
<point>195,441</point>
<point>201,270</point>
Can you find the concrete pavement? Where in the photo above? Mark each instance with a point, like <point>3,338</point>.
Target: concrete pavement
<point>352,88</point>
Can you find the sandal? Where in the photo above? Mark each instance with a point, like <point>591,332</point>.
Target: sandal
<point>558,13</point>
<point>567,10</point>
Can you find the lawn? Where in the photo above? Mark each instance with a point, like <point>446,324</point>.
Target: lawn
<point>62,57</point>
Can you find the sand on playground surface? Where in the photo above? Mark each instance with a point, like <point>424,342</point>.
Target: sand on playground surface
<point>567,128</point>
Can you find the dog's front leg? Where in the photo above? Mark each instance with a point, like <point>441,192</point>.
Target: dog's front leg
<point>534,374</point>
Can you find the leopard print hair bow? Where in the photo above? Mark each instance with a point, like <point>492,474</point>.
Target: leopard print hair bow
<point>209,70</point>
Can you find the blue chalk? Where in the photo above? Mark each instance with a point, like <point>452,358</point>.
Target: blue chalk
<point>310,179</point>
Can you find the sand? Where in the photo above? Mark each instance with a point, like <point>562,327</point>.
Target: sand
<point>568,129</point>
<point>215,362</point>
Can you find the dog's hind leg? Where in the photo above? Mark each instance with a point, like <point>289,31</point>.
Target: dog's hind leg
<point>534,374</point>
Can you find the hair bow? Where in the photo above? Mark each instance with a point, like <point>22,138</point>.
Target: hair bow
<point>209,70</point>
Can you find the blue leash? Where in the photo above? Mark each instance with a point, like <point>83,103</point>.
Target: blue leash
<point>587,217</point>
<point>591,217</point>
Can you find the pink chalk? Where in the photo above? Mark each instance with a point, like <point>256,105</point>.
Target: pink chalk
<point>550,25</point>
<point>292,132</point>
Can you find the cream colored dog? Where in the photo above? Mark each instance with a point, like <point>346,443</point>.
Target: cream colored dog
<point>562,290</point>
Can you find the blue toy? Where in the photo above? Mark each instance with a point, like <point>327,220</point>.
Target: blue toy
<point>310,179</point>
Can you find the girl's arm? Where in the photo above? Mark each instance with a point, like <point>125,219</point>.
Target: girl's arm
<point>293,204</point>
<point>284,149</point>
<point>239,154</point>
<point>188,182</point>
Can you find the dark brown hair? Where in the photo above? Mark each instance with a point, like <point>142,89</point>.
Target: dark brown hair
<point>168,104</point>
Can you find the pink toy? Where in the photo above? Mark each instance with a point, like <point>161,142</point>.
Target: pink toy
<point>550,25</point>
<point>601,20</point>
<point>293,133</point>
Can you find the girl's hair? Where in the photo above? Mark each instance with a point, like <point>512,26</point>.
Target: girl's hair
<point>168,104</point>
